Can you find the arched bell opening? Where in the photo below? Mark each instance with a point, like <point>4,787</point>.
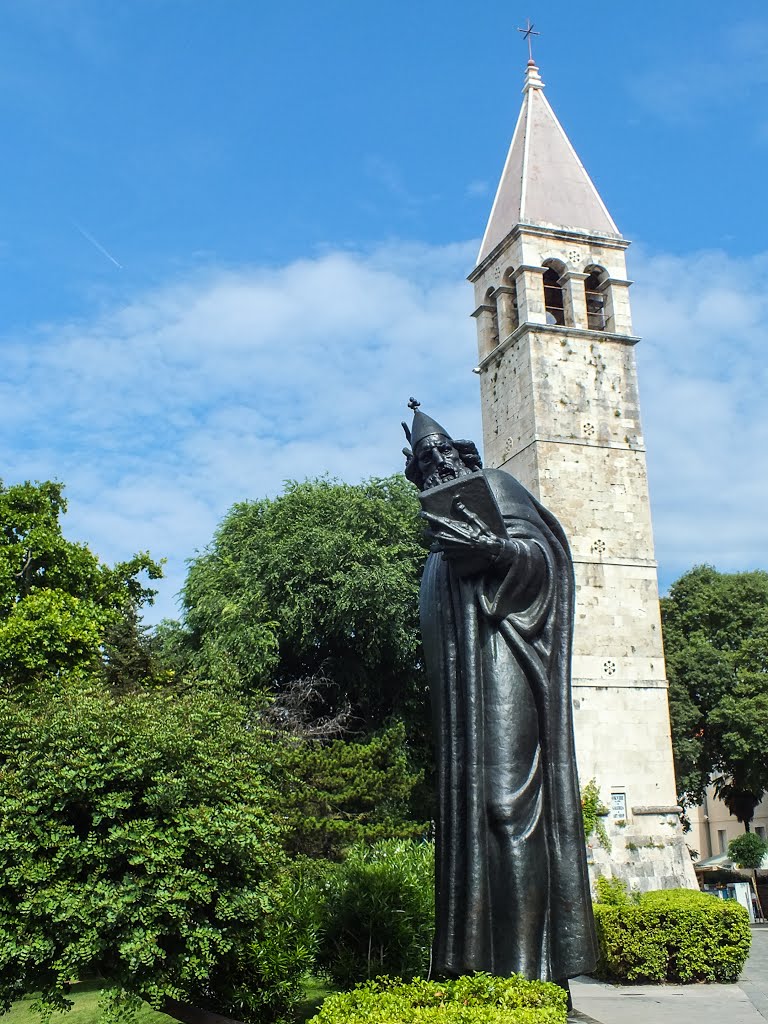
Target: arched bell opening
<point>596,296</point>
<point>554,300</point>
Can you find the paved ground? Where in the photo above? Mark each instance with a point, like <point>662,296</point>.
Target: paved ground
<point>754,977</point>
<point>745,1003</point>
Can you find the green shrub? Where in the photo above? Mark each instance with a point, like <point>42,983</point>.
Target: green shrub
<point>748,850</point>
<point>593,810</point>
<point>677,935</point>
<point>472,999</point>
<point>613,892</point>
<point>138,844</point>
<point>377,912</point>
<point>347,792</point>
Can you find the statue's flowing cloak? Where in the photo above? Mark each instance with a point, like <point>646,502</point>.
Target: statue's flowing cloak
<point>461,617</point>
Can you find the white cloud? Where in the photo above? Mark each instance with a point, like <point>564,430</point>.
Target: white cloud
<point>160,414</point>
<point>703,382</point>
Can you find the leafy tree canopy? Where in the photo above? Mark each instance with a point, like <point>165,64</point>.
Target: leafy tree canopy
<point>316,592</point>
<point>716,644</point>
<point>60,607</point>
<point>748,850</point>
<point>321,580</point>
<point>141,835</point>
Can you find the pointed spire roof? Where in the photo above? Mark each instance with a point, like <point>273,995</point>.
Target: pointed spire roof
<point>543,181</point>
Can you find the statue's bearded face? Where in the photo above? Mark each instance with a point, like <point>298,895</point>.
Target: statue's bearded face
<point>438,460</point>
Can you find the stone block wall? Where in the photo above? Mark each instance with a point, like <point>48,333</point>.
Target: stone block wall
<point>561,412</point>
<point>649,854</point>
<point>623,742</point>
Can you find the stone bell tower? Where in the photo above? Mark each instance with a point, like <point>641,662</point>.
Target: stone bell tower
<point>561,412</point>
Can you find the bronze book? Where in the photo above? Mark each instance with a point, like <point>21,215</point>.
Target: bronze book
<point>475,494</point>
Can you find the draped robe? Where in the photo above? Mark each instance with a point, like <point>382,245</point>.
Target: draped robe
<point>512,890</point>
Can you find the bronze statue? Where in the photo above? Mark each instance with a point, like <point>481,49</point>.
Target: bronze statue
<point>497,620</point>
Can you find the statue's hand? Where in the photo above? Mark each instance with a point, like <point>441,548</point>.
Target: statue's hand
<point>456,537</point>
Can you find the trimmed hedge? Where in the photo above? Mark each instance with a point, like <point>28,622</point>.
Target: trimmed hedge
<point>472,999</point>
<point>676,935</point>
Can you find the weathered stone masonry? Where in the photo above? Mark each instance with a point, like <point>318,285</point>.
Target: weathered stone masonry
<point>561,411</point>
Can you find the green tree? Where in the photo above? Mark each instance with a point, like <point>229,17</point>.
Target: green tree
<point>139,841</point>
<point>60,607</point>
<point>141,837</point>
<point>320,586</point>
<point>748,850</point>
<point>342,792</point>
<point>323,580</point>
<point>716,644</point>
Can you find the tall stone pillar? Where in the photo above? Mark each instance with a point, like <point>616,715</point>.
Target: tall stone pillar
<point>529,281</point>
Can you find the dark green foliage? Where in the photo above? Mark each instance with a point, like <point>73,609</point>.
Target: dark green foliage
<point>342,792</point>
<point>130,654</point>
<point>145,811</point>
<point>472,999</point>
<point>741,802</point>
<point>138,842</point>
<point>320,585</point>
<point>378,911</point>
<point>716,645</point>
<point>322,580</point>
<point>748,850</point>
<point>593,810</point>
<point>675,935</point>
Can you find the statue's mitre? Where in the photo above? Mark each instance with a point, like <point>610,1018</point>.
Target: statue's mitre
<point>422,426</point>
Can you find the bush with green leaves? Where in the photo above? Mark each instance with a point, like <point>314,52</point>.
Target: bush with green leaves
<point>138,842</point>
<point>593,810</point>
<point>472,999</point>
<point>612,891</point>
<point>677,935</point>
<point>378,911</point>
<point>748,850</point>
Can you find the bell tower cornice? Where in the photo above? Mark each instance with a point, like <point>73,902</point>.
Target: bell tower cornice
<point>578,238</point>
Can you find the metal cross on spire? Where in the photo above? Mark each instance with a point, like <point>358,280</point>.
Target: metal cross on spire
<point>527,33</point>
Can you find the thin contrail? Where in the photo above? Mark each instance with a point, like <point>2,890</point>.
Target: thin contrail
<point>89,237</point>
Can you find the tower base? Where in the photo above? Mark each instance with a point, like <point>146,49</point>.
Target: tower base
<point>650,853</point>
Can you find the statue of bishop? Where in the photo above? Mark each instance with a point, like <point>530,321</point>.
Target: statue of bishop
<point>497,620</point>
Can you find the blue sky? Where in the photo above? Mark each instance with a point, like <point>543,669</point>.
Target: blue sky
<point>234,239</point>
